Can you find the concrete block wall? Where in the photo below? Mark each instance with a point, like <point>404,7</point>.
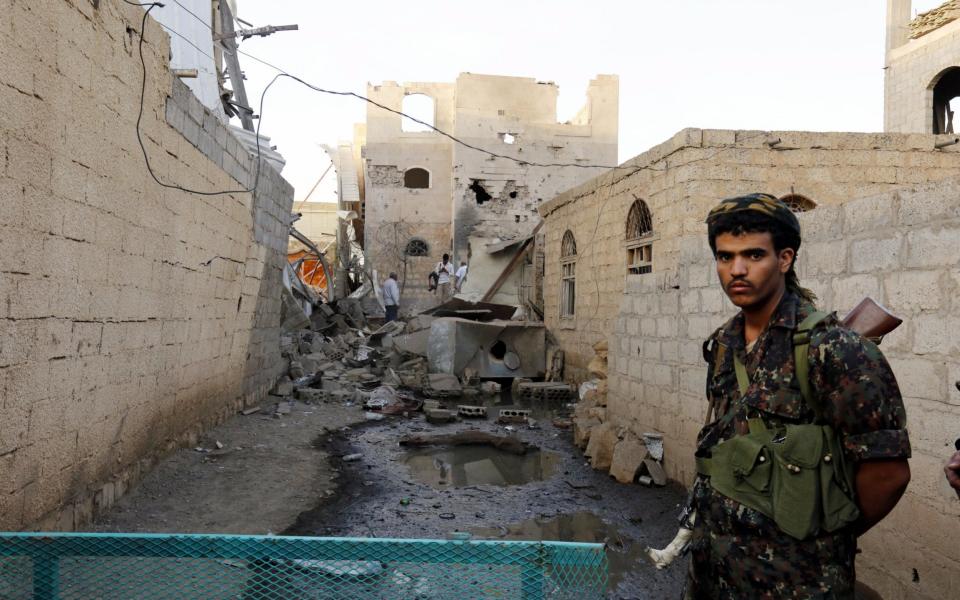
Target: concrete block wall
<point>681,179</point>
<point>132,316</point>
<point>899,247</point>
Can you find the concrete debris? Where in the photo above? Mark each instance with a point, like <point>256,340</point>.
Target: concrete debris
<point>472,412</point>
<point>380,398</point>
<point>628,455</point>
<point>582,429</point>
<point>603,439</point>
<point>513,415</point>
<point>284,387</point>
<point>372,416</point>
<point>352,457</point>
<point>491,349</point>
<point>655,471</point>
<point>439,416</point>
<point>490,388</point>
<point>654,443</point>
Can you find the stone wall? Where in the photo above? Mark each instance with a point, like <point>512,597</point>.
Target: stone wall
<point>681,179</point>
<point>899,248</point>
<point>868,236</point>
<point>133,315</point>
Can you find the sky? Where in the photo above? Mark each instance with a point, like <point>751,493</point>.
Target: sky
<point>815,65</point>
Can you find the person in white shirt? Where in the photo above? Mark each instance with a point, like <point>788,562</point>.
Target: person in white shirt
<point>391,297</point>
<point>461,275</point>
<point>444,272</point>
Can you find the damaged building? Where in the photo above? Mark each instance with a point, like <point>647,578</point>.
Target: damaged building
<point>425,195</point>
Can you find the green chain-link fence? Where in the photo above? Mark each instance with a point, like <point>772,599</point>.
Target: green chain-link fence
<point>80,566</point>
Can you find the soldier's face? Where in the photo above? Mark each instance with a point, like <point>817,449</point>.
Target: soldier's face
<point>751,271</point>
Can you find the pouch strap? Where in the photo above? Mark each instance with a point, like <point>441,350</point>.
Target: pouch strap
<point>801,360</point>
<point>743,380</point>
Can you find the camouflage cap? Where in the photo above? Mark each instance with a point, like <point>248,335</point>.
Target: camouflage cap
<point>765,204</point>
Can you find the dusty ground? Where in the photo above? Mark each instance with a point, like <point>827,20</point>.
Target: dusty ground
<point>287,476</point>
<point>269,470</point>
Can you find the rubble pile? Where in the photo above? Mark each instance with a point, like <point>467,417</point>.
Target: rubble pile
<point>614,449</point>
<point>335,356</point>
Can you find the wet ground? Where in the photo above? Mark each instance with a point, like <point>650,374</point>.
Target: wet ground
<point>287,476</point>
<point>549,494</point>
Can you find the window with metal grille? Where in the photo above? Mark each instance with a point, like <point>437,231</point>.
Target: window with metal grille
<point>798,203</point>
<point>639,239</point>
<point>417,247</point>
<point>568,275</point>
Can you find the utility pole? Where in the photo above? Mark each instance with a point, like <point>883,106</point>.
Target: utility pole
<point>233,66</point>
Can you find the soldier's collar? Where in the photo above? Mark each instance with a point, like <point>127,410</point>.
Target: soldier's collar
<point>785,316</point>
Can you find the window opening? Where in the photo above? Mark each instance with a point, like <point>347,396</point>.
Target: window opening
<point>568,275</point>
<point>798,203</point>
<point>416,178</point>
<point>639,239</point>
<point>420,107</point>
<point>480,193</point>
<point>945,100</point>
<point>498,350</point>
<point>417,247</point>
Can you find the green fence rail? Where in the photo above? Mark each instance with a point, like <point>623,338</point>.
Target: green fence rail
<point>87,566</point>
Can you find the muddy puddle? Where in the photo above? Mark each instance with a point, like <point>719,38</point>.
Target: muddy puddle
<point>625,555</point>
<point>479,465</point>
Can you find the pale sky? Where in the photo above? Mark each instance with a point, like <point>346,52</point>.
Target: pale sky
<point>739,64</point>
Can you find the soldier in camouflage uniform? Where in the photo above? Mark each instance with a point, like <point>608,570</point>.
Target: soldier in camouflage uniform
<point>737,552</point>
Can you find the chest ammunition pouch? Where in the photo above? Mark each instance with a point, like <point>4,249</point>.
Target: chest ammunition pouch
<point>796,475</point>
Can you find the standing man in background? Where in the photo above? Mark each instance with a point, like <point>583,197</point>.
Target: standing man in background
<point>391,297</point>
<point>461,275</point>
<point>444,272</point>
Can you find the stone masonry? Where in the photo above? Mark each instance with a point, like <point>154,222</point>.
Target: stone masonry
<point>897,244</point>
<point>133,316</point>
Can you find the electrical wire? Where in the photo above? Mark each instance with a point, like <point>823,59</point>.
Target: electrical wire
<point>143,148</point>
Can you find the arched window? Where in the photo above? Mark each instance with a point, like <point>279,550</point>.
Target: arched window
<point>946,89</point>
<point>416,178</point>
<point>639,222</point>
<point>568,275</point>
<point>420,107</point>
<point>639,239</point>
<point>417,247</point>
<point>568,246</point>
<point>798,203</point>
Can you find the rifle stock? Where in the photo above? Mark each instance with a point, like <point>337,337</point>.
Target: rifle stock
<point>871,320</point>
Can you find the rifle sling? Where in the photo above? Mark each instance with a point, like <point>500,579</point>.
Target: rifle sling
<point>801,347</point>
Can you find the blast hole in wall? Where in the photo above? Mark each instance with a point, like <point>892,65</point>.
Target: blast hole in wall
<point>479,192</point>
<point>498,350</point>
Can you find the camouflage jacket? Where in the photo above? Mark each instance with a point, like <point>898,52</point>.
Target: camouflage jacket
<point>738,552</point>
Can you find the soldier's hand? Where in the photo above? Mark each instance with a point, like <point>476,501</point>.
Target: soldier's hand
<point>953,472</point>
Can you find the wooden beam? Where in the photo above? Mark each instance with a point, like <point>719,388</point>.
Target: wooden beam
<point>512,266</point>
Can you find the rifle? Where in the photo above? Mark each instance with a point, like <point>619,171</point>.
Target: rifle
<point>869,319</point>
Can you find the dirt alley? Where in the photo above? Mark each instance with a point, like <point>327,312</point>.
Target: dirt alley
<point>286,476</point>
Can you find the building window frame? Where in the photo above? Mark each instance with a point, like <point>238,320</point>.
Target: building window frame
<point>417,247</point>
<point>568,276</point>
<point>639,238</point>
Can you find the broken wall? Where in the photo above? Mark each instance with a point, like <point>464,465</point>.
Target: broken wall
<point>134,316</point>
<point>898,244</point>
<point>471,193</point>
<point>517,117</point>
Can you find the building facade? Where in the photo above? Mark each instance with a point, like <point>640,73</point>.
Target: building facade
<point>922,68</point>
<point>426,194</point>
